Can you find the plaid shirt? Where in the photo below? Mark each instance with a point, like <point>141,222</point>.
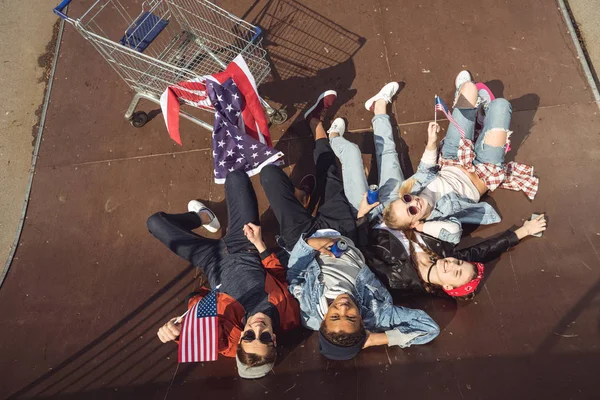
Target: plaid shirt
<point>513,175</point>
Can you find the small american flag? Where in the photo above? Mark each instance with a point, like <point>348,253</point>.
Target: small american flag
<point>199,332</point>
<point>441,106</point>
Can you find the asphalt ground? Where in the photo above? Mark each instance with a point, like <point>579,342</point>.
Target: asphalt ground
<point>89,286</point>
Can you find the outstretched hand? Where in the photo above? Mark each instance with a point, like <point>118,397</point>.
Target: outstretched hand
<point>365,207</point>
<point>322,244</point>
<point>254,234</point>
<point>535,226</point>
<point>532,227</point>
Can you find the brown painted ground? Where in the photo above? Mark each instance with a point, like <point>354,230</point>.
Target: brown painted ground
<point>89,286</point>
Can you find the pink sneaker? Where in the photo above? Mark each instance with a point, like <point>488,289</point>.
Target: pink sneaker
<point>319,109</point>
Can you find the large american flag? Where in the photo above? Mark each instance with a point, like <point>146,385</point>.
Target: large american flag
<point>441,106</point>
<point>199,336</point>
<point>233,149</point>
<point>241,137</point>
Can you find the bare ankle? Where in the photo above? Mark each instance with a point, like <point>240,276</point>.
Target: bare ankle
<point>380,107</point>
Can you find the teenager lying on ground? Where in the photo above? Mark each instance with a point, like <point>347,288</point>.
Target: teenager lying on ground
<point>445,192</point>
<point>339,296</point>
<point>416,263</point>
<point>420,263</point>
<point>253,302</point>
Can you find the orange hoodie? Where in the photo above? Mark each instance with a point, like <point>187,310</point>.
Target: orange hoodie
<point>231,313</point>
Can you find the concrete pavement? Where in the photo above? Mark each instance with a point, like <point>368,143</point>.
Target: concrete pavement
<point>25,53</point>
<point>587,15</point>
<point>89,286</point>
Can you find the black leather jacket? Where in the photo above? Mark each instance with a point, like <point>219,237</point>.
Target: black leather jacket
<point>389,260</point>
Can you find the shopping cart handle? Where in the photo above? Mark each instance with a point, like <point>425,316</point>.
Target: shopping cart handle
<point>58,9</point>
<point>257,33</point>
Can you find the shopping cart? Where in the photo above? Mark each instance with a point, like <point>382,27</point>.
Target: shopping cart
<point>167,42</point>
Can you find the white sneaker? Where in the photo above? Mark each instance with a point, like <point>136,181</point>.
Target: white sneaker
<point>386,93</point>
<point>462,77</point>
<point>338,125</point>
<point>197,207</point>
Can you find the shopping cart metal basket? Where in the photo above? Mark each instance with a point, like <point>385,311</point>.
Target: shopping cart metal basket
<point>167,42</point>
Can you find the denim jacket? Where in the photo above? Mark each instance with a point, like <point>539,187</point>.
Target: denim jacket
<point>452,207</point>
<point>374,301</point>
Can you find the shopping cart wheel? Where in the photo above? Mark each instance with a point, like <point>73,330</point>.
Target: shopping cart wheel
<point>279,117</point>
<point>139,119</point>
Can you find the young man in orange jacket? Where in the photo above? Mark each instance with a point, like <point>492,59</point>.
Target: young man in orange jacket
<point>253,302</point>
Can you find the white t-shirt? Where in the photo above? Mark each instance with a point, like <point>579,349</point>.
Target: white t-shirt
<point>449,179</point>
<point>453,179</point>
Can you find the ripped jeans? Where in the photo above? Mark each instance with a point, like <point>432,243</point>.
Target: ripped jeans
<point>497,116</point>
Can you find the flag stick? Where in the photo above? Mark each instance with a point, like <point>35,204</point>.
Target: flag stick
<point>435,109</point>
<point>178,320</point>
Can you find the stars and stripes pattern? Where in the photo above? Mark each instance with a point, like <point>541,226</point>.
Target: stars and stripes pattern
<point>193,93</point>
<point>233,149</point>
<point>441,106</point>
<point>200,331</point>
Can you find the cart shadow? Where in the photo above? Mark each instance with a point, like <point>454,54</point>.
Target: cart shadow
<point>309,54</point>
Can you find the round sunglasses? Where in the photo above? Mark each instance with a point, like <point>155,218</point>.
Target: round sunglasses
<point>264,338</point>
<point>412,210</point>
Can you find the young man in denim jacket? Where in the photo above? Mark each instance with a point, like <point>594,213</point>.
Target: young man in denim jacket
<point>339,297</point>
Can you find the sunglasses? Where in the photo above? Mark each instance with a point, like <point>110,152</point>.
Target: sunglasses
<point>412,210</point>
<point>264,338</point>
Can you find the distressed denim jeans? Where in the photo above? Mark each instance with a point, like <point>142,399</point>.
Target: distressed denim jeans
<point>498,116</point>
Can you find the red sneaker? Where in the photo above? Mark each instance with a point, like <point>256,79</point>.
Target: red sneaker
<point>319,109</point>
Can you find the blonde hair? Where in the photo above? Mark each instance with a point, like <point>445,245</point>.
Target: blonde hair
<point>407,186</point>
<point>389,217</point>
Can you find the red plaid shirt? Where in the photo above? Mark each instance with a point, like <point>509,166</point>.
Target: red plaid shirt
<point>513,176</point>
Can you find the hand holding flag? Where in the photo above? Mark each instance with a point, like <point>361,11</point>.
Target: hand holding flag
<point>200,331</point>
<point>441,106</point>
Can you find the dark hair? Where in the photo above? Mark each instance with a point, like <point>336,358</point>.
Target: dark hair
<point>342,338</point>
<point>254,360</point>
<point>433,289</point>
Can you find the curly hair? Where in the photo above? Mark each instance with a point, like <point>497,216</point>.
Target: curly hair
<point>254,360</point>
<point>433,289</point>
<point>342,338</point>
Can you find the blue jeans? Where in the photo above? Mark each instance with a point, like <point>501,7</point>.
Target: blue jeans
<point>353,171</point>
<point>498,116</point>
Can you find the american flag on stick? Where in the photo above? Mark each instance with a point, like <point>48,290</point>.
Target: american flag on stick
<point>441,106</point>
<point>199,336</point>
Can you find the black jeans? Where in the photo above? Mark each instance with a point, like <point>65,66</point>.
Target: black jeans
<point>215,257</point>
<point>335,211</point>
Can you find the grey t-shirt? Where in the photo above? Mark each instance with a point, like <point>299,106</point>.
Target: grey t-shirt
<point>339,274</point>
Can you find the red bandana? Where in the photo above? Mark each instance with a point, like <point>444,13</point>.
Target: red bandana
<point>468,287</point>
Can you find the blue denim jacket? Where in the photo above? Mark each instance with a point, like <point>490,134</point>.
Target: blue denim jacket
<point>452,207</point>
<point>375,302</point>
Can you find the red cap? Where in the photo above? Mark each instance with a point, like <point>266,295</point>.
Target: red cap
<point>468,287</point>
